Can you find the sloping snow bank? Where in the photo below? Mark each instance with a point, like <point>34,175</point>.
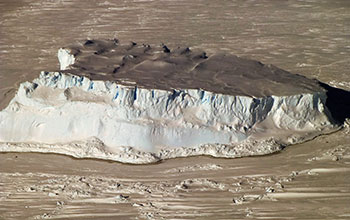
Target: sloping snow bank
<point>68,114</point>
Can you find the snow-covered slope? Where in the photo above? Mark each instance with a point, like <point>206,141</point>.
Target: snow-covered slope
<point>72,114</point>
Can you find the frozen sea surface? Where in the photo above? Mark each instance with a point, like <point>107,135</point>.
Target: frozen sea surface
<point>310,180</point>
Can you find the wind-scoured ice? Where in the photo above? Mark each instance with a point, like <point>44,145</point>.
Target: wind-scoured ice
<point>86,110</point>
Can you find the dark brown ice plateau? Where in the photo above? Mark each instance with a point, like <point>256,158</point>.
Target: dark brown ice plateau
<point>159,67</point>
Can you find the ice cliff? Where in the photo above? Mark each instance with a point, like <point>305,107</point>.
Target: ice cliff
<point>84,114</point>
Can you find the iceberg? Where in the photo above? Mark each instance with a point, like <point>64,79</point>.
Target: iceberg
<point>141,104</point>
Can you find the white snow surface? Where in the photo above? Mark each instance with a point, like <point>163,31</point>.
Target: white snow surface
<point>73,115</point>
<point>66,58</point>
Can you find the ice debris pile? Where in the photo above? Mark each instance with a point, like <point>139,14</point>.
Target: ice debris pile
<point>140,104</point>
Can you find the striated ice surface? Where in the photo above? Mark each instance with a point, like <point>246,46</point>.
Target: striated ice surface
<point>77,115</point>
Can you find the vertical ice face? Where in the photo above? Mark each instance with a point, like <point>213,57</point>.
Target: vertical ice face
<point>65,58</point>
<point>58,108</point>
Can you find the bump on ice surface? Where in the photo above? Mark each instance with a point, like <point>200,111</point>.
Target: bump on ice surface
<point>74,115</point>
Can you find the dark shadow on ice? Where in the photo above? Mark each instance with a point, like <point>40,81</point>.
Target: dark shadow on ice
<point>338,102</point>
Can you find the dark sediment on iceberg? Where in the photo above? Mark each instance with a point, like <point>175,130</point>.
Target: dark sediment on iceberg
<point>159,67</point>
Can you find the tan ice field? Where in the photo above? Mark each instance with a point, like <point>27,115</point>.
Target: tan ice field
<point>304,181</point>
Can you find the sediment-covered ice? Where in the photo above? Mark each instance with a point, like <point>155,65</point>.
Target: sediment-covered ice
<point>86,111</point>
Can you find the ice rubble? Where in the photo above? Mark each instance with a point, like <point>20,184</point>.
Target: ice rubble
<point>65,113</point>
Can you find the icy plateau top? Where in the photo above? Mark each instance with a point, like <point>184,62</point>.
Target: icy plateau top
<point>140,104</point>
<point>181,68</point>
